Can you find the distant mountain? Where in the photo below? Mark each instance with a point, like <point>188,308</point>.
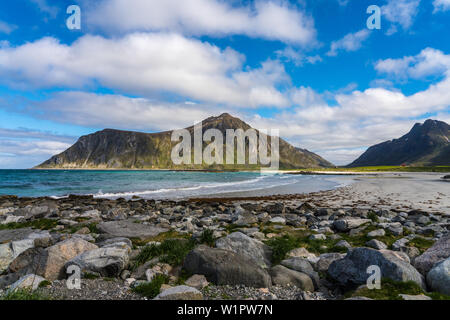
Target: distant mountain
<point>427,144</point>
<point>116,149</point>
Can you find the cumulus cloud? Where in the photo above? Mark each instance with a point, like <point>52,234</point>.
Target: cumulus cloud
<point>441,5</point>
<point>267,19</point>
<point>24,148</point>
<point>350,42</point>
<point>363,118</point>
<point>400,13</point>
<point>427,63</point>
<point>145,64</point>
<point>116,111</point>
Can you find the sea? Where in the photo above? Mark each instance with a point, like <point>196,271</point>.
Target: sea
<point>159,184</point>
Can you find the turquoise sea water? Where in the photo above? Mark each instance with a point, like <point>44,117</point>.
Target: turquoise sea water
<point>157,184</point>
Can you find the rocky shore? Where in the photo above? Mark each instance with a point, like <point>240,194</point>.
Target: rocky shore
<point>293,247</point>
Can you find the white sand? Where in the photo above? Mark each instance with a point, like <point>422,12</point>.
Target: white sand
<point>403,191</point>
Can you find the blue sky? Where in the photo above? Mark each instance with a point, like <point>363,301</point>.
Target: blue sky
<point>310,68</point>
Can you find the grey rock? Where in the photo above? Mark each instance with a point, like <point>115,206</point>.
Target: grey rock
<point>304,266</point>
<point>109,262</point>
<point>346,224</point>
<point>416,297</point>
<point>180,293</point>
<point>318,236</point>
<point>438,252</point>
<point>376,244</point>
<point>376,233</point>
<point>246,219</point>
<point>438,278</point>
<point>197,281</point>
<point>224,267</point>
<point>30,281</point>
<point>128,229</point>
<point>343,244</point>
<point>326,259</point>
<point>352,270</point>
<point>242,244</point>
<point>283,276</point>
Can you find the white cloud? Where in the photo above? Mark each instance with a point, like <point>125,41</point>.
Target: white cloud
<point>428,62</point>
<point>351,42</point>
<point>441,5</point>
<point>24,148</point>
<point>297,57</point>
<point>6,27</point>
<point>119,112</point>
<point>268,19</point>
<point>400,13</point>
<point>145,64</point>
<point>362,118</point>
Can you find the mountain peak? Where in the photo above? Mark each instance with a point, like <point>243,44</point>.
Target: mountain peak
<point>117,149</point>
<point>426,144</point>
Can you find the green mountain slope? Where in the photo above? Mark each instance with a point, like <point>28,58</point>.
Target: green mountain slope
<point>116,149</point>
<point>427,144</point>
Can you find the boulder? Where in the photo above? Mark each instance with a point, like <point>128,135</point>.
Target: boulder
<point>283,276</point>
<point>438,252</point>
<point>180,293</point>
<point>14,234</point>
<point>10,251</point>
<point>376,244</point>
<point>304,266</point>
<point>109,262</point>
<point>224,267</point>
<point>438,278</point>
<point>346,224</point>
<point>51,263</point>
<point>128,229</point>
<point>246,219</point>
<point>352,270</point>
<point>244,245</point>
<point>30,281</point>
<point>326,259</point>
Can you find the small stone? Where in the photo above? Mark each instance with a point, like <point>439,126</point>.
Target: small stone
<point>416,297</point>
<point>197,281</point>
<point>180,293</point>
<point>376,233</point>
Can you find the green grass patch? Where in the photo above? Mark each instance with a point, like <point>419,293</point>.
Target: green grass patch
<point>25,294</point>
<point>91,226</point>
<point>207,237</point>
<point>151,289</point>
<point>90,276</point>
<point>170,251</point>
<point>41,224</point>
<point>421,243</point>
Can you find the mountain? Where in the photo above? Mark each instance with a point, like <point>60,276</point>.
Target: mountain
<point>427,144</point>
<point>116,149</point>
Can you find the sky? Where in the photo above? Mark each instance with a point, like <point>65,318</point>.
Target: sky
<point>310,68</point>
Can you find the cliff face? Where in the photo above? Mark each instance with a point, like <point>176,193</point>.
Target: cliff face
<point>427,144</point>
<point>115,149</point>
